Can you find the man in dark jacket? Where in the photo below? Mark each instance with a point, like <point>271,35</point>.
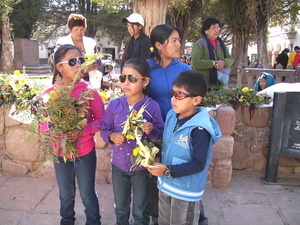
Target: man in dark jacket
<point>283,58</point>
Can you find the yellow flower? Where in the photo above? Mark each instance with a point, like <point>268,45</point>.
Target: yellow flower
<point>129,136</point>
<point>151,49</point>
<point>136,151</point>
<point>103,95</point>
<point>18,107</point>
<point>17,73</point>
<point>261,98</point>
<point>51,95</point>
<point>22,80</point>
<point>245,89</point>
<point>88,56</point>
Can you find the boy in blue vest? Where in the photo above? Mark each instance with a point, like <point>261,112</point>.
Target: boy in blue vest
<point>187,151</point>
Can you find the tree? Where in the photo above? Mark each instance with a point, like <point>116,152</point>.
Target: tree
<point>237,20</point>
<point>153,11</point>
<point>31,10</point>
<point>265,11</point>
<point>7,57</point>
<point>182,14</point>
<point>112,26</point>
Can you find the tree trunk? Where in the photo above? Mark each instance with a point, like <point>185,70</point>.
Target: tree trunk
<point>153,11</point>
<point>7,57</point>
<point>239,51</point>
<point>261,29</point>
<point>181,21</point>
<point>182,18</point>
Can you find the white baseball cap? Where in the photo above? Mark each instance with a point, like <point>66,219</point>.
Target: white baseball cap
<point>134,18</point>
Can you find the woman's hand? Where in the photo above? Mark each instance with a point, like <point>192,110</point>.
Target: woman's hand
<point>147,127</point>
<point>117,138</point>
<point>73,135</point>
<point>91,67</point>
<point>220,64</point>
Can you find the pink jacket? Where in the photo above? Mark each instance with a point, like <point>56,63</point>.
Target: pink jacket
<point>85,143</point>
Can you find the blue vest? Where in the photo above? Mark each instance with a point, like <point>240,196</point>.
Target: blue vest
<point>177,149</point>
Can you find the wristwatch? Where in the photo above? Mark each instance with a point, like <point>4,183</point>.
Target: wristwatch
<point>168,171</point>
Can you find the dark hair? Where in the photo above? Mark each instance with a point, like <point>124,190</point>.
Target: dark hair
<point>130,43</point>
<point>58,55</point>
<point>76,20</point>
<point>207,24</point>
<point>141,66</point>
<point>192,81</point>
<point>108,66</point>
<point>161,34</point>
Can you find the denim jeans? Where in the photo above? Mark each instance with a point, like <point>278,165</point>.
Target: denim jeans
<point>83,168</point>
<point>173,211</point>
<point>154,200</point>
<point>140,182</point>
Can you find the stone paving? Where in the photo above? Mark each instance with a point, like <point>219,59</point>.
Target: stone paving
<point>31,201</point>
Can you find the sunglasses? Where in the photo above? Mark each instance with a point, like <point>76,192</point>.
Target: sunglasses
<point>180,95</point>
<point>132,78</point>
<point>72,61</point>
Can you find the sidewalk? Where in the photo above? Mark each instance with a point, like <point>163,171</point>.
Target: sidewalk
<point>34,201</point>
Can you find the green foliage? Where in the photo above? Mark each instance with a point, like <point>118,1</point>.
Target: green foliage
<point>100,18</point>
<point>6,6</point>
<point>234,98</point>
<point>286,12</point>
<point>31,10</point>
<point>113,27</point>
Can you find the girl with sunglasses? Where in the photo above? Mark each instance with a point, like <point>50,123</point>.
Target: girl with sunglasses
<point>67,60</point>
<point>134,81</point>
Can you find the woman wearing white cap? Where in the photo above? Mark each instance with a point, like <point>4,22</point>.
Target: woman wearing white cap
<point>138,46</point>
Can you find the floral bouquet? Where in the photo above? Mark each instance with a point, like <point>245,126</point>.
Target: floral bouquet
<point>17,90</point>
<point>90,59</point>
<point>63,113</point>
<point>131,128</point>
<point>144,154</point>
<point>108,94</point>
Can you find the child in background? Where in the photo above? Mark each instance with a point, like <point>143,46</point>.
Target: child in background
<point>134,80</point>
<point>109,72</point>
<point>68,59</point>
<point>265,80</point>
<point>187,151</point>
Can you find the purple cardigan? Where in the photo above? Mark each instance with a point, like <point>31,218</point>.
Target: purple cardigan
<point>113,121</point>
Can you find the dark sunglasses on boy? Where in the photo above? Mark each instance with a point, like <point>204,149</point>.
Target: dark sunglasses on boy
<point>180,95</point>
<point>132,78</point>
<point>72,61</point>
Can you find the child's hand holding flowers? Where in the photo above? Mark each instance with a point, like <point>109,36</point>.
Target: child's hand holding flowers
<point>147,127</point>
<point>117,138</point>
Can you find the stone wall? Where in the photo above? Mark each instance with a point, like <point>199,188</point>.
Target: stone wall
<point>251,142</point>
<point>23,156</point>
<point>243,146</point>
